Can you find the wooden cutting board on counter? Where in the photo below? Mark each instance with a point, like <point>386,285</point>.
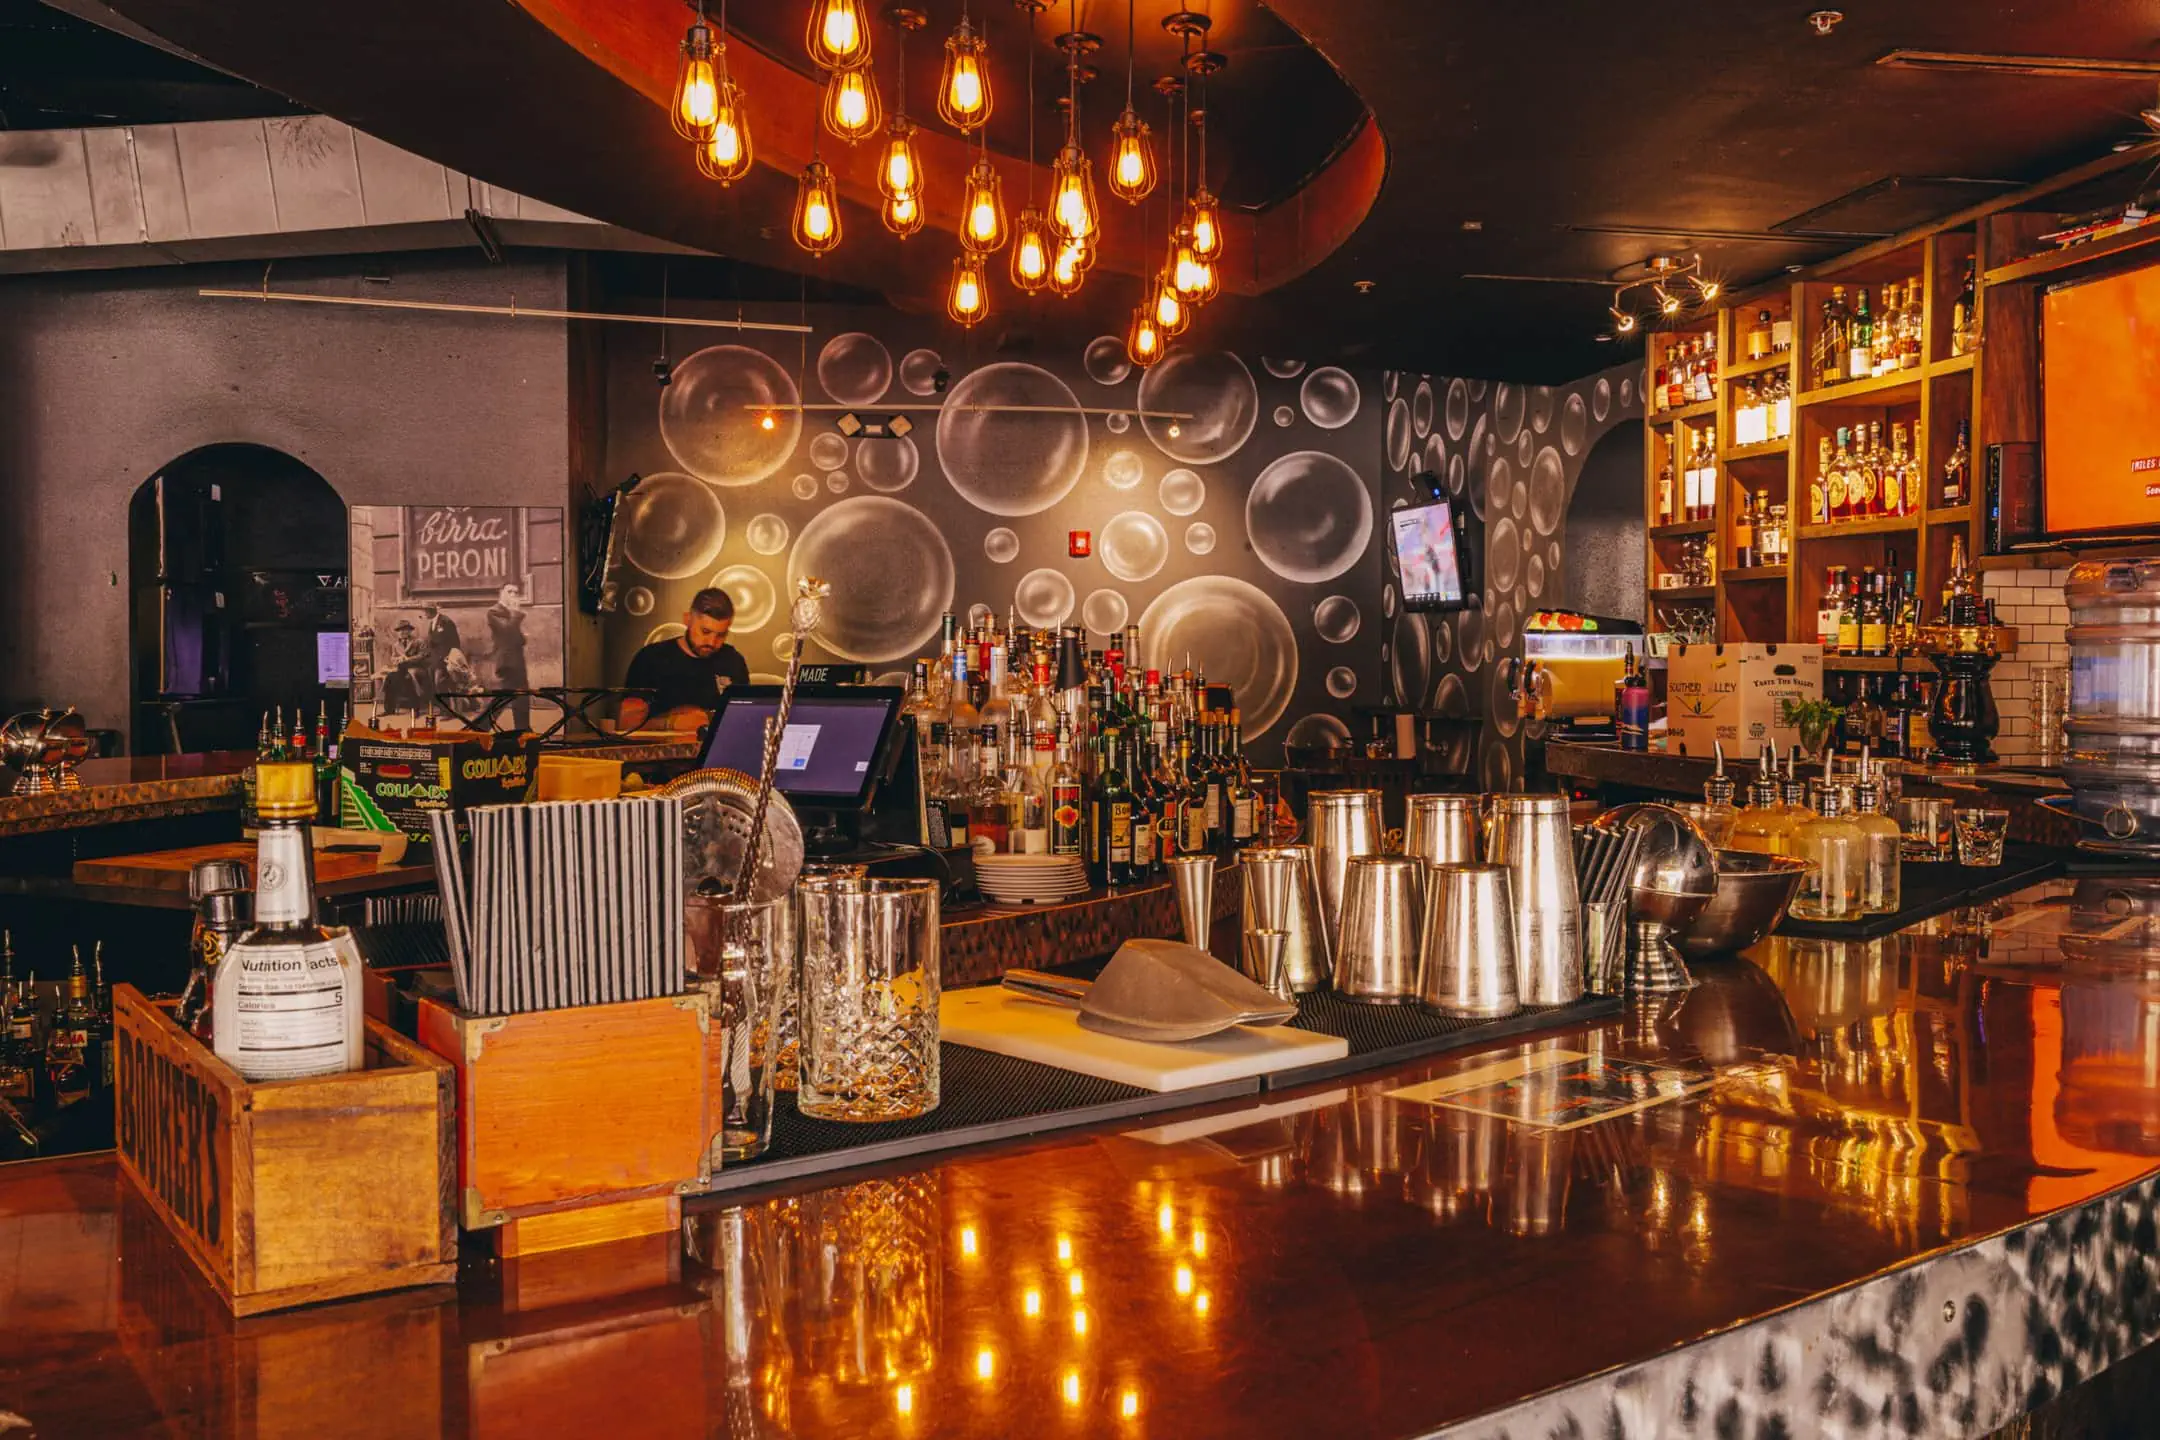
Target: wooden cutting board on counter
<point>990,1017</point>
<point>168,869</point>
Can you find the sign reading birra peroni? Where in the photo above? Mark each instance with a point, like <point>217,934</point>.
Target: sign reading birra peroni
<point>461,549</point>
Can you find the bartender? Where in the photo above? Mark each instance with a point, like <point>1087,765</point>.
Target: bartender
<point>687,673</point>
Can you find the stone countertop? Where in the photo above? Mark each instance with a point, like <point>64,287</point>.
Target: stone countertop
<point>1906,1185</point>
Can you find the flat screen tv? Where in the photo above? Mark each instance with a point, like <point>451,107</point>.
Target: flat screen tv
<point>1435,550</point>
<point>2100,406</point>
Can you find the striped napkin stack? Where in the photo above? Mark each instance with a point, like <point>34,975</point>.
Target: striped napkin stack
<point>565,902</point>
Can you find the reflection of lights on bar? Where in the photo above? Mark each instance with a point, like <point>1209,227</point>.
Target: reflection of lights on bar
<point>904,1399</point>
<point>1075,1286</point>
<point>1199,1241</point>
<point>985,1362</point>
<point>1166,1218</point>
<point>1031,1302</point>
<point>1072,1387</point>
<point>1064,1249</point>
<point>1129,1404</point>
<point>1200,1303</point>
<point>1080,1320</point>
<point>967,1240</point>
<point>1184,1280</point>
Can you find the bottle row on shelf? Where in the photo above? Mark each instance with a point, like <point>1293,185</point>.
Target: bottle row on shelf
<point>1858,477</point>
<point>1856,342</point>
<point>54,1050</point>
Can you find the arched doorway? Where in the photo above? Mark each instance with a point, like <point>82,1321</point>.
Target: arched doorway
<point>237,580</point>
<point>1604,573</point>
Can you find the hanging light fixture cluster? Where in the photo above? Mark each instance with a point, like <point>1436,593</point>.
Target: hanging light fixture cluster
<point>1663,277</point>
<point>707,107</point>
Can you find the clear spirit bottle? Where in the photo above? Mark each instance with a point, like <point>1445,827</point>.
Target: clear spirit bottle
<point>1836,851</point>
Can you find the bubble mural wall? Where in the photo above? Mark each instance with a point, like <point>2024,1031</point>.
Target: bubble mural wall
<point>1256,548</point>
<point>1514,453</point>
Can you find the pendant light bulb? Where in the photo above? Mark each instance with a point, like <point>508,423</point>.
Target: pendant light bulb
<point>852,109</point>
<point>1143,341</point>
<point>1132,159</point>
<point>1186,274</point>
<point>1667,302</point>
<point>1072,194</point>
<point>838,38</point>
<point>970,297</point>
<point>1204,215</point>
<point>1031,252</point>
<point>726,156</point>
<point>982,214</point>
<point>903,215</point>
<point>1170,313</point>
<point>1068,267</point>
<point>964,88</point>
<point>697,90</point>
<point>817,209</point>
<point>900,168</point>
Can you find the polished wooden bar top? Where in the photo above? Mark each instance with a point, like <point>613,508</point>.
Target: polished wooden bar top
<point>129,787</point>
<point>1897,1186</point>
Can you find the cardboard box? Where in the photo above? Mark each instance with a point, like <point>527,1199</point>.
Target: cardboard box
<point>1736,694</point>
<point>390,782</point>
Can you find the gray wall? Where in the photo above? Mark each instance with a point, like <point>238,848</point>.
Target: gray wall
<point>106,377</point>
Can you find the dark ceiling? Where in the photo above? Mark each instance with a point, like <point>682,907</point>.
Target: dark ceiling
<point>1545,143</point>
<point>57,71</point>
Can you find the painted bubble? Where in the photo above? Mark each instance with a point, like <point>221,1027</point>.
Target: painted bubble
<point>1548,491</point>
<point>1534,576</point>
<point>1044,598</point>
<point>1282,369</point>
<point>667,630</point>
<point>1236,635</point>
<point>1458,409</point>
<point>837,482</point>
<point>1182,492</point>
<point>766,534</point>
<point>1001,546</point>
<point>1133,545</point>
<point>783,645</point>
<point>1308,516</point>
<point>887,464</point>
<point>1284,417</point>
<point>1449,697</point>
<point>1122,470</point>
<point>1329,397</point>
<point>673,525</point>
<point>1336,619</point>
<point>1104,612</point>
<point>1541,408</point>
<point>1200,538</point>
<point>638,600</point>
<point>1410,660</point>
<point>828,451</point>
<point>1318,731</point>
<point>1006,462</point>
<point>1342,682</point>
<point>918,371</point>
<point>805,487</point>
<point>1503,554</point>
<point>1601,399</point>
<point>898,573</point>
<point>1421,409</point>
<point>1398,437</point>
<point>1213,392</point>
<point>1105,360</point>
<point>1117,422</point>
<point>855,368</point>
<point>754,594</point>
<point>1575,424</point>
<point>713,415</point>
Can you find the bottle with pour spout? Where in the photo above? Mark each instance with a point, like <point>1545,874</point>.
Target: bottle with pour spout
<point>1836,851</point>
<point>1763,826</point>
<point>1882,890</point>
<point>1719,814</point>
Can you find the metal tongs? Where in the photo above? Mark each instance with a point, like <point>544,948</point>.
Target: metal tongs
<point>1158,990</point>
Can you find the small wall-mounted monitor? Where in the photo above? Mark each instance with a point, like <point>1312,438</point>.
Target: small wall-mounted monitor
<point>333,658</point>
<point>1435,553</point>
<point>2100,407</point>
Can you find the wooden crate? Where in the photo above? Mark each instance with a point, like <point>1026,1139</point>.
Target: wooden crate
<point>292,1191</point>
<point>597,1105</point>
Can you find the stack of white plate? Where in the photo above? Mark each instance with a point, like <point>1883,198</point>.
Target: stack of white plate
<point>1030,879</point>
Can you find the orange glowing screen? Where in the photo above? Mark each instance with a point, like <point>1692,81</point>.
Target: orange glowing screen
<point>2100,345</point>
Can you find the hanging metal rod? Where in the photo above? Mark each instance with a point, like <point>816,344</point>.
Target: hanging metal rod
<point>512,311</point>
<point>980,410</point>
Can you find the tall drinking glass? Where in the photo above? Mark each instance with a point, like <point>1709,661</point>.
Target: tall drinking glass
<point>869,999</point>
<point>739,956</point>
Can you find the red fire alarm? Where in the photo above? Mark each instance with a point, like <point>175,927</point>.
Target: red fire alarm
<point>1079,543</point>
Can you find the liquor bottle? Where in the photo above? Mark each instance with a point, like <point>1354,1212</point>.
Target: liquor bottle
<point>1140,775</point>
<point>1861,487</point>
<point>1743,556</point>
<point>989,818</point>
<point>1633,720</point>
<point>1837,500</point>
<point>1837,851</point>
<point>956,793</point>
<point>1860,723</point>
<point>17,1053</point>
<point>1066,798</point>
<point>68,1058</point>
<point>1781,335</point>
<point>1192,798</point>
<point>1828,609</point>
<point>1034,782</point>
<point>1832,340</point>
<point>1897,719</point>
<point>1911,329</point>
<point>1882,886</point>
<point>1890,496</point>
<point>1244,799</point>
<point>1904,628</point>
<point>287,999</point>
<point>962,721</point>
<point>1882,358</point>
<point>1860,340</point>
<point>1962,602</point>
<point>1874,618</point>
<point>1110,815</point>
<point>1691,477</point>
<point>1781,406</point>
<point>1957,471</point>
<point>1675,376</point>
<point>1763,826</point>
<point>1758,337</point>
<point>1963,312</point>
<point>1848,621</point>
<point>1718,792</point>
<point>1819,485</point>
<point>1169,806</point>
<point>1709,491</point>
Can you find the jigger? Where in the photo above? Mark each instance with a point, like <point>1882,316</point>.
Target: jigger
<point>1264,961</point>
<point>1376,958</point>
<point>1282,893</point>
<point>1193,878</point>
<point>1469,949</point>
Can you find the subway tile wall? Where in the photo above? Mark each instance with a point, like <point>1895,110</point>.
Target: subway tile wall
<point>2032,600</point>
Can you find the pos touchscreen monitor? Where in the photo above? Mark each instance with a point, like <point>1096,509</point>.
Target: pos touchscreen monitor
<point>833,751</point>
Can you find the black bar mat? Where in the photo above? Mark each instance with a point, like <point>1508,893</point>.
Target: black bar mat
<point>985,1097</point>
<point>1930,889</point>
<point>1381,1035</point>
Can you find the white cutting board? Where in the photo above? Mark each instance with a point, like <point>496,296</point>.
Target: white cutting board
<point>990,1017</point>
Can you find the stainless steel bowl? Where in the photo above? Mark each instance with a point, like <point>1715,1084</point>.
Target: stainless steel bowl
<point>1752,893</point>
